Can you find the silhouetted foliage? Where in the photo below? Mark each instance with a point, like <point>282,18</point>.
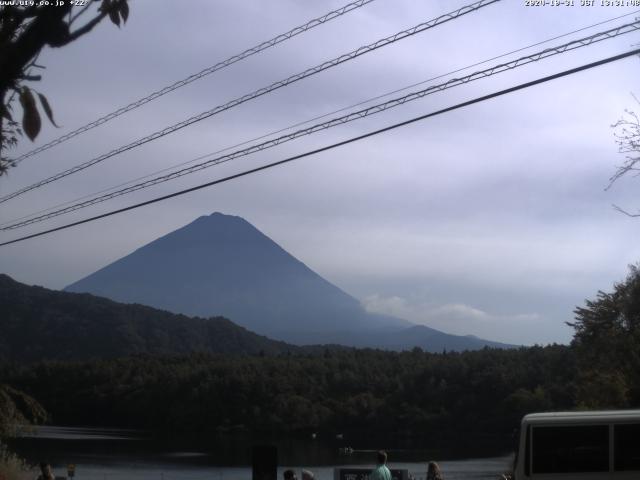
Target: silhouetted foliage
<point>17,409</point>
<point>25,30</point>
<point>346,390</point>
<point>627,135</point>
<point>607,343</point>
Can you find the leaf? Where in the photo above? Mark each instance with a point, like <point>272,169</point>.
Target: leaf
<point>115,18</point>
<point>30,117</point>
<point>47,108</point>
<point>4,112</point>
<point>108,6</point>
<point>124,11</point>
<point>113,15</point>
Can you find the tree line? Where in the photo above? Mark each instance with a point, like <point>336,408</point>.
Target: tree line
<point>407,393</point>
<point>344,389</point>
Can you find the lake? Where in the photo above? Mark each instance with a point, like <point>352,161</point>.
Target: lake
<point>102,454</point>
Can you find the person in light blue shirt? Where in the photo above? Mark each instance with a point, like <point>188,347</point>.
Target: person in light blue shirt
<point>381,472</point>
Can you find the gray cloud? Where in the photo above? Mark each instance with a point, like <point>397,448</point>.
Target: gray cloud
<point>490,220</point>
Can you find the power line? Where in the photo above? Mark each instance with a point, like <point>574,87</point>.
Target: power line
<point>262,91</point>
<point>335,145</point>
<point>196,76</point>
<point>372,110</point>
<point>298,124</point>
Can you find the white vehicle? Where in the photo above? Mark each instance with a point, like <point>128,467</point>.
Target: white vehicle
<point>579,445</point>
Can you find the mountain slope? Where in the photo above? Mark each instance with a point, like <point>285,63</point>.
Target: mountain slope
<point>428,339</point>
<point>37,323</point>
<point>222,265</point>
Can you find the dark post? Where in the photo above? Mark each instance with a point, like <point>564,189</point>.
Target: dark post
<point>264,459</point>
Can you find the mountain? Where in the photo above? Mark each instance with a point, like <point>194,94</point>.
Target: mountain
<point>37,323</point>
<point>222,265</point>
<point>429,339</point>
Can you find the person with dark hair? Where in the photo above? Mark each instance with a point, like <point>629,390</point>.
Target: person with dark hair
<point>46,473</point>
<point>290,475</point>
<point>433,472</point>
<point>381,472</point>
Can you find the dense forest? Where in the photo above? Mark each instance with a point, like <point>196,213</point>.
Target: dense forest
<point>404,393</point>
<point>410,393</point>
<point>37,323</point>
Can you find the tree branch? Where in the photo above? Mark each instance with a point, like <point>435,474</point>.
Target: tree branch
<point>47,26</point>
<point>84,29</point>
<point>633,215</point>
<point>92,23</point>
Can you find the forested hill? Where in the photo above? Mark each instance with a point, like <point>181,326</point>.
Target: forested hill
<point>356,392</point>
<point>37,323</point>
<point>412,393</point>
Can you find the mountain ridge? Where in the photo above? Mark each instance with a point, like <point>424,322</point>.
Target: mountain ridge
<point>222,265</point>
<point>38,323</point>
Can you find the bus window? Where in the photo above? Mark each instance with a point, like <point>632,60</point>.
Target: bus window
<point>626,447</point>
<point>570,449</point>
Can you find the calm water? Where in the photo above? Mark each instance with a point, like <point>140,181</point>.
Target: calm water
<point>101,454</point>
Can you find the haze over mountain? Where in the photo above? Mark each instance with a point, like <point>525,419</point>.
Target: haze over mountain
<point>222,265</point>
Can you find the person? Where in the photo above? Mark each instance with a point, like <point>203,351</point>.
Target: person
<point>381,472</point>
<point>307,475</point>
<point>46,473</point>
<point>433,472</point>
<point>290,475</point>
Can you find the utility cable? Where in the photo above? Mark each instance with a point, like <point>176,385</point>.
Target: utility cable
<point>196,76</point>
<point>319,117</point>
<point>372,110</point>
<point>262,91</point>
<point>335,145</point>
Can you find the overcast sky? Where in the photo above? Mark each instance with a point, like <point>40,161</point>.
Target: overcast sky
<point>491,220</point>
